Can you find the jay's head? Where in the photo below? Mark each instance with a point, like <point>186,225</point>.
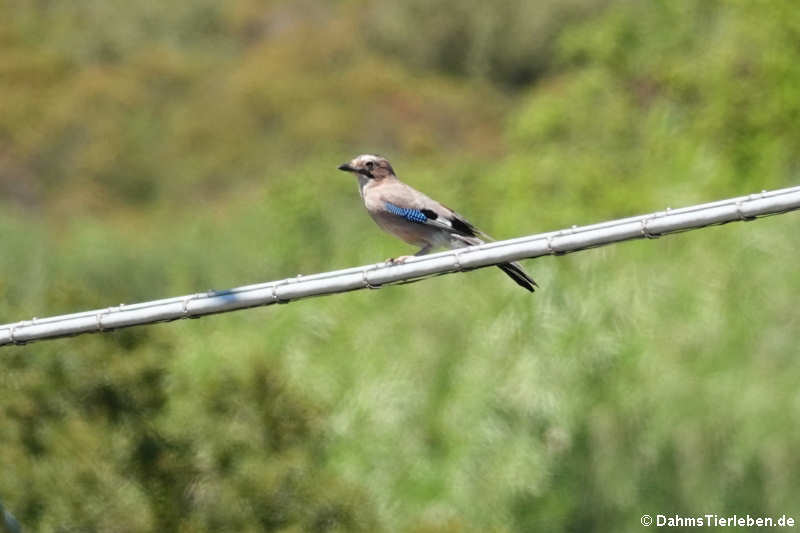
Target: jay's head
<point>373,167</point>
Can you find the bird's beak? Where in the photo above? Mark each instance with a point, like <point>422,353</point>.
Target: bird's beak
<point>346,167</point>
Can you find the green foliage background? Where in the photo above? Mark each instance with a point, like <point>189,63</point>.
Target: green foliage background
<point>155,149</point>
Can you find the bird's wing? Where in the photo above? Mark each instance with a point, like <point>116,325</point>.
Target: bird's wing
<point>410,204</point>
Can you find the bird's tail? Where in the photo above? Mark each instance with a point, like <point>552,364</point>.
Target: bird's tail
<point>515,272</point>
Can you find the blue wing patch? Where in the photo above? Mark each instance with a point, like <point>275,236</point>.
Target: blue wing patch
<point>412,215</point>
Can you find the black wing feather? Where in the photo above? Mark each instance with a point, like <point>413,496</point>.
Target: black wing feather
<point>463,227</point>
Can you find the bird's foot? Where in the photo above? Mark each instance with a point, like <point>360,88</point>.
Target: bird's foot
<point>398,260</point>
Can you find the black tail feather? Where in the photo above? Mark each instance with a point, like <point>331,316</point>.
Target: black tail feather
<point>516,273</point>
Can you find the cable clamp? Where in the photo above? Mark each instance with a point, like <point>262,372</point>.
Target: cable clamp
<point>646,230</point>
<point>457,257</point>
<point>365,278</point>
<point>186,301</point>
<point>550,245</point>
<point>739,210</point>
<point>274,293</point>
<point>275,298</point>
<point>742,216</point>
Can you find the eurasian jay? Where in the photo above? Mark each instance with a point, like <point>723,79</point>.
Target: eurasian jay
<point>414,217</point>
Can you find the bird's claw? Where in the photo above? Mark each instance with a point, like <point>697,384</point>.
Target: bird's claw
<point>398,260</point>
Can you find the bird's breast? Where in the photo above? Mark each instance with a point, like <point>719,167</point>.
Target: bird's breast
<point>410,232</point>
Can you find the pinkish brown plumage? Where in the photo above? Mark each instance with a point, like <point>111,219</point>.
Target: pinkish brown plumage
<point>415,218</point>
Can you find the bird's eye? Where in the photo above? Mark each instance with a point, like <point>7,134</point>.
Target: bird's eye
<point>370,165</point>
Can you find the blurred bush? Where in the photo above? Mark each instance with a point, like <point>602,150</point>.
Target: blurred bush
<point>510,41</point>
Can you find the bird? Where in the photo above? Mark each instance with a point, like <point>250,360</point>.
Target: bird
<point>415,218</point>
